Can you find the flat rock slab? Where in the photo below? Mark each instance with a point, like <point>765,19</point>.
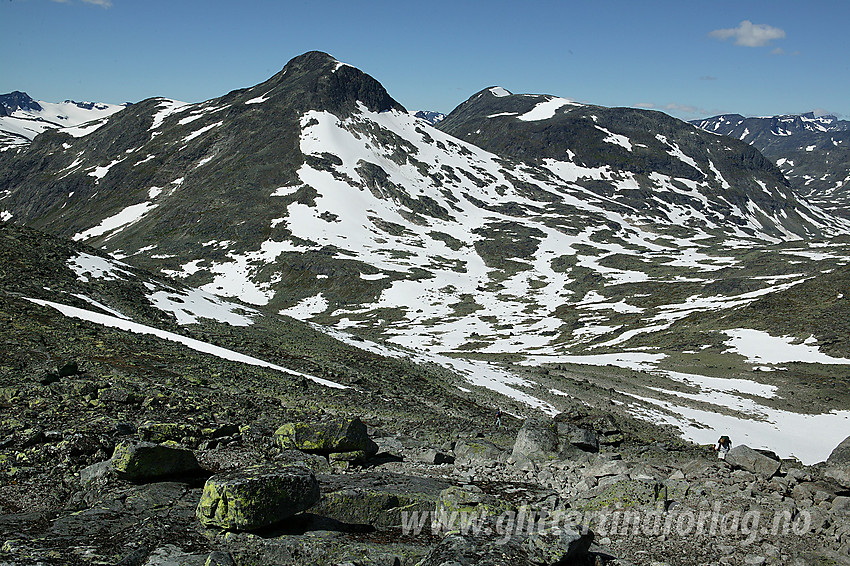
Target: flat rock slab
<point>745,458</point>
<point>472,451</point>
<point>257,497</point>
<point>378,498</point>
<point>341,435</point>
<point>139,461</point>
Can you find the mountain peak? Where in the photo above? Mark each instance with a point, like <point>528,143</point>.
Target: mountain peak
<point>18,100</point>
<point>325,83</point>
<point>499,91</point>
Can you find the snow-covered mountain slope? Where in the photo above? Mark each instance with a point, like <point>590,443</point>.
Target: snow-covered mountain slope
<point>591,237</point>
<point>318,194</point>
<point>23,118</point>
<point>812,151</point>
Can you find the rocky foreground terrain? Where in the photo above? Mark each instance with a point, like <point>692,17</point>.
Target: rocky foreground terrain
<point>109,471</point>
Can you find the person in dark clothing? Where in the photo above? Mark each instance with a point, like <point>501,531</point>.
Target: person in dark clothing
<point>723,446</point>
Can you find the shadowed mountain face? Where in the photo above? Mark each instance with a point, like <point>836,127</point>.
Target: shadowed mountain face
<point>813,152</point>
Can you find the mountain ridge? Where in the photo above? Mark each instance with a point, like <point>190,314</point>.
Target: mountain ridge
<point>813,152</point>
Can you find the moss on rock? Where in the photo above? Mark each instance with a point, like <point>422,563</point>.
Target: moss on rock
<point>338,436</point>
<point>257,497</point>
<point>138,461</point>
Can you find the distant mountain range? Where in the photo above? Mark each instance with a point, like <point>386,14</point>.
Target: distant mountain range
<point>22,118</point>
<point>429,116</point>
<point>813,152</point>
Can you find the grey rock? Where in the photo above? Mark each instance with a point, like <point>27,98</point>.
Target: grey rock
<point>434,457</point>
<point>841,454</point>
<point>839,473</point>
<point>472,451</point>
<point>606,467</point>
<point>582,438</point>
<point>841,504</point>
<point>746,458</point>
<point>140,461</point>
<point>376,498</point>
<point>548,547</point>
<point>257,497</point>
<point>171,555</point>
<point>97,473</point>
<point>318,464</point>
<point>334,436</point>
<point>536,439</point>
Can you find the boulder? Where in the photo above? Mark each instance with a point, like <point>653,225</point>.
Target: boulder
<point>582,438</point>
<point>841,474</point>
<point>379,499</point>
<point>558,545</point>
<point>841,454</point>
<point>433,457</point>
<point>537,439</point>
<point>841,504</point>
<point>139,461</point>
<point>257,497</point>
<point>745,458</point>
<point>606,465</point>
<point>625,493</point>
<point>460,505</point>
<point>336,436</point>
<point>318,464</point>
<point>477,451</point>
<point>838,464</point>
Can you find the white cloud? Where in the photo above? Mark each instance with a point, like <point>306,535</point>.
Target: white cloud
<point>102,3</point>
<point>749,34</point>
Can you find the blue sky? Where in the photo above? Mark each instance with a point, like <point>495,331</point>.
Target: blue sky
<point>690,58</point>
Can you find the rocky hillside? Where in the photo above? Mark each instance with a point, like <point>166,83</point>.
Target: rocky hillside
<point>813,152</point>
<point>145,422</point>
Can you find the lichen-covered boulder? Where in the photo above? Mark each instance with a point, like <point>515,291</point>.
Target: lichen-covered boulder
<point>458,505</point>
<point>257,497</point>
<point>139,461</point>
<point>745,458</point>
<point>623,494</point>
<point>537,439</point>
<point>380,499</point>
<point>341,435</point>
<point>472,451</point>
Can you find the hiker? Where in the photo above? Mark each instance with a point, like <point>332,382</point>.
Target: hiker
<point>498,418</point>
<point>723,446</point>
